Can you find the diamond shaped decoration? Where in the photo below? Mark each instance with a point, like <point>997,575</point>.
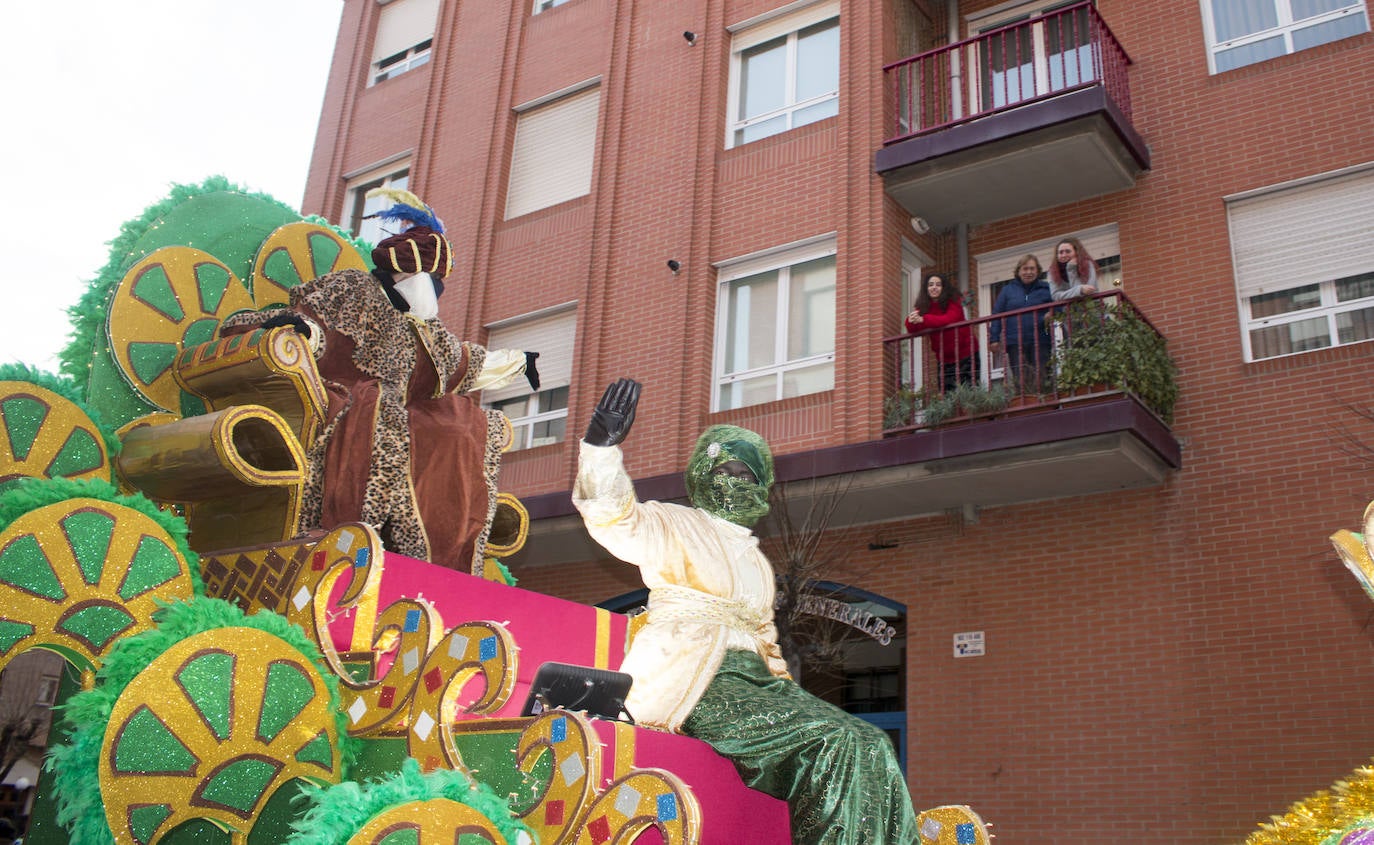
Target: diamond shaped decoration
<point>667,807</point>
<point>301,599</point>
<point>458,646</point>
<point>357,710</point>
<point>600,830</point>
<point>424,725</point>
<point>572,770</point>
<point>486,650</point>
<point>626,800</point>
<point>410,661</point>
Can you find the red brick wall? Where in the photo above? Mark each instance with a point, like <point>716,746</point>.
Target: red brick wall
<point>1175,663</point>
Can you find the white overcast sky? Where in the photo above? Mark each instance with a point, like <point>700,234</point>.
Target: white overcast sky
<point>107,104</point>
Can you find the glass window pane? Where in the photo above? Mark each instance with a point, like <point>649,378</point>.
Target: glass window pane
<point>549,431</point>
<point>519,437</point>
<point>514,408</point>
<point>1354,287</point>
<point>1235,18</point>
<point>753,391</point>
<point>755,131</point>
<point>763,82</point>
<point>553,400</point>
<point>1285,301</point>
<point>751,322</point>
<point>808,380</point>
<point>1287,338</point>
<point>820,111</point>
<point>811,309</point>
<point>1354,326</point>
<point>818,60</point>
<point>1332,30</point>
<point>1249,54</point>
<point>1303,9</point>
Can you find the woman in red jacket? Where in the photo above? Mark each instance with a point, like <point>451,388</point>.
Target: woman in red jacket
<point>938,306</point>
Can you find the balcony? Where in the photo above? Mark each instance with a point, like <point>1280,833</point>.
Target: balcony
<point>1014,120</point>
<point>1044,435</point>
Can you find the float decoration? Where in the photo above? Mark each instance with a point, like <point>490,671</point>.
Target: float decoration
<point>162,739</point>
<point>441,806</point>
<point>81,566</point>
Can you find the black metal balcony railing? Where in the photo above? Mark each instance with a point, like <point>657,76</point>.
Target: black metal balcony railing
<point>1040,357</point>
<point>1007,67</point>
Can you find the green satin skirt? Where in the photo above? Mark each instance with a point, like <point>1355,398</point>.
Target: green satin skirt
<point>838,774</point>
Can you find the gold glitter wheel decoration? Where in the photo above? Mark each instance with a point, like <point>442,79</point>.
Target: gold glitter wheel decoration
<point>173,299</point>
<point>48,436</point>
<point>78,574</point>
<point>210,729</point>
<point>296,253</point>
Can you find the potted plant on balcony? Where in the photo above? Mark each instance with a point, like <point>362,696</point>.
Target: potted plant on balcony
<point>1111,346</point>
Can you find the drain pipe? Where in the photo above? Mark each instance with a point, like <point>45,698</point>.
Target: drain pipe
<point>956,75</point>
<point>956,89</point>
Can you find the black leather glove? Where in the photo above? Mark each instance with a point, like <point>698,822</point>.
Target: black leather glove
<point>614,414</point>
<point>288,318</point>
<point>531,374</point>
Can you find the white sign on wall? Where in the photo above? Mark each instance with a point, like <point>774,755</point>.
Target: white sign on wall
<point>969,644</point>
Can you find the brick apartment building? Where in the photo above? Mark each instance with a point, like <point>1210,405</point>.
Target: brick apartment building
<point>733,200</point>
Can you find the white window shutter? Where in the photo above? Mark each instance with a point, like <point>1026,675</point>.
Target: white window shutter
<point>552,337</point>
<point>403,24</point>
<point>1303,235</point>
<point>555,147</point>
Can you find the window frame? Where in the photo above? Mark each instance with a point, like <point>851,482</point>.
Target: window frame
<point>545,5</point>
<point>414,54</point>
<point>782,258</point>
<point>1285,27</point>
<point>529,158</point>
<point>553,333</point>
<point>1322,243</point>
<point>387,175</point>
<point>787,22</point>
<point>530,419</point>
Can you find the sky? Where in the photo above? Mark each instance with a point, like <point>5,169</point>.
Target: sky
<point>108,104</point>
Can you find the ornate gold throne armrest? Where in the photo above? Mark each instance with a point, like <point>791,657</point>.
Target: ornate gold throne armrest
<point>272,368</point>
<point>238,470</point>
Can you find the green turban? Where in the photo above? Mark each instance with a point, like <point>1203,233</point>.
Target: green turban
<point>737,500</point>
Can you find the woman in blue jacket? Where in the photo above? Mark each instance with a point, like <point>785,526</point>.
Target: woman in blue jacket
<point>1026,340</point>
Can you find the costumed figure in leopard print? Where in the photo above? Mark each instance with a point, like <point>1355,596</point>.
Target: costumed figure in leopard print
<point>404,446</point>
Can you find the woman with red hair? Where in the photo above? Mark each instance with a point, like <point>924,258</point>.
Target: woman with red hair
<point>1073,272</point>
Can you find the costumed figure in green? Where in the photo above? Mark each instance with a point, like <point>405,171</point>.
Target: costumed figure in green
<point>707,663</point>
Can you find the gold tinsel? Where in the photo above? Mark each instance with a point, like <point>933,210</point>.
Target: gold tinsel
<point>1316,817</point>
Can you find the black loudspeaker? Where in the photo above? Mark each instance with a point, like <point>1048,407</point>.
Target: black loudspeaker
<point>600,692</point>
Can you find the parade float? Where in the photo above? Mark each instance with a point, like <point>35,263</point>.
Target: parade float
<point>239,675</point>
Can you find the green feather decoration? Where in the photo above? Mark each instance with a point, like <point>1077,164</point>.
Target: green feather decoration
<point>76,762</point>
<point>338,812</point>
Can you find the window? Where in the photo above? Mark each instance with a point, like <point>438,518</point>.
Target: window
<point>784,73</point>
<point>405,33</point>
<point>545,5</point>
<point>1304,263</point>
<point>47,691</point>
<point>1050,51</point>
<point>360,205</point>
<point>1242,32</point>
<point>775,325</point>
<point>555,148</point>
<point>537,418</point>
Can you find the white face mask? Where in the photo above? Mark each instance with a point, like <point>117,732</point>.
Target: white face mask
<point>418,292</point>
